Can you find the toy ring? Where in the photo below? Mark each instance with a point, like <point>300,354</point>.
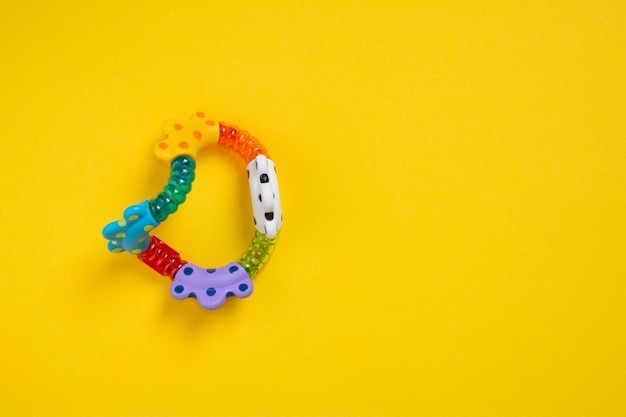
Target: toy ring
<point>180,146</point>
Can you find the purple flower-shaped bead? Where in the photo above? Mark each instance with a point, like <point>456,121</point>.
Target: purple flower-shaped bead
<point>211,287</point>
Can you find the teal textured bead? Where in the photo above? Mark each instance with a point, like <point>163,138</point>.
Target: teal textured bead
<point>185,173</point>
<point>184,161</point>
<point>177,195</point>
<point>175,192</point>
<point>180,184</point>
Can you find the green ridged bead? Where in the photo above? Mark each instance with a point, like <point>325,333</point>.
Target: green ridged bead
<point>258,253</point>
<point>177,195</point>
<point>175,192</point>
<point>184,167</point>
<point>180,183</point>
<point>184,161</point>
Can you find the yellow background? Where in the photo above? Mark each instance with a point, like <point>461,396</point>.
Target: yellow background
<point>453,177</point>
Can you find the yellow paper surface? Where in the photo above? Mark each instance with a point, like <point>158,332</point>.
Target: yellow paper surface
<point>453,180</point>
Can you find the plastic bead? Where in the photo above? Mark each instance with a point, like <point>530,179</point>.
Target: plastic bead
<point>186,137</point>
<point>175,192</point>
<point>241,142</point>
<point>211,287</point>
<point>130,233</point>
<point>181,144</point>
<point>162,258</point>
<point>257,254</point>
<point>268,215</point>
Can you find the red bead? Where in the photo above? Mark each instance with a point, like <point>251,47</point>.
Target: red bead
<point>162,258</point>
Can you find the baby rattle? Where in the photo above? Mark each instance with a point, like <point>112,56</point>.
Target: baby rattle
<point>180,146</point>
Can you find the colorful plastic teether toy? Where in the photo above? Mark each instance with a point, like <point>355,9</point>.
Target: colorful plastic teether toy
<point>210,287</point>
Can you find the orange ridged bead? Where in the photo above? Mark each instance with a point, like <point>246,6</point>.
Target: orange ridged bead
<point>248,147</point>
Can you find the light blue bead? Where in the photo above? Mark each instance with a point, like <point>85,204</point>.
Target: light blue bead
<point>131,233</point>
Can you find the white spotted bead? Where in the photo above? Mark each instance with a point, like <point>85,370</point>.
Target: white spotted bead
<point>265,196</point>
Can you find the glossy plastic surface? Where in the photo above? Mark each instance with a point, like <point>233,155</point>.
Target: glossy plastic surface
<point>211,287</point>
<point>175,192</point>
<point>186,137</point>
<point>258,253</point>
<point>130,233</point>
<point>162,258</point>
<point>265,197</point>
<point>248,147</point>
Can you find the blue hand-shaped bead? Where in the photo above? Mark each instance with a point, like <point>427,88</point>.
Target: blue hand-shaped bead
<point>211,287</point>
<point>131,232</point>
